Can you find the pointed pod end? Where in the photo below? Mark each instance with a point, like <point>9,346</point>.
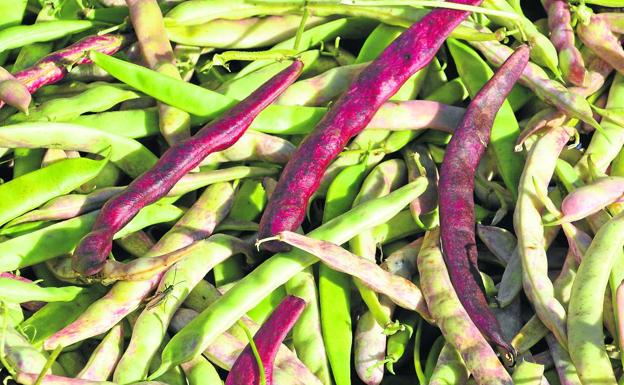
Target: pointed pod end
<point>162,369</point>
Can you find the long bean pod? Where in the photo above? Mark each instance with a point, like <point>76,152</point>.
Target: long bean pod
<point>457,172</point>
<point>177,161</point>
<point>377,83</point>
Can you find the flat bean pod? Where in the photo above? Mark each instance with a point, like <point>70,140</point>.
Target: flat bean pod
<point>586,340</point>
<point>450,316</point>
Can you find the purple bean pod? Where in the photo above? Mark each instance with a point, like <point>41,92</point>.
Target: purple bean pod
<point>53,67</point>
<point>456,191</point>
<point>562,37</point>
<point>268,339</point>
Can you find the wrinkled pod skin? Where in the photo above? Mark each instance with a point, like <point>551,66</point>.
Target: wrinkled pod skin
<point>456,191</point>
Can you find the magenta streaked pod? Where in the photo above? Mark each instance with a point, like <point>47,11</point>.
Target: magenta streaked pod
<point>562,37</point>
<point>268,339</point>
<point>53,67</point>
<point>591,198</point>
<point>598,37</point>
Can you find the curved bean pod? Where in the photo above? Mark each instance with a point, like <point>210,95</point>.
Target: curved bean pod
<point>94,248</point>
<point>597,35</point>
<point>562,37</point>
<point>37,187</point>
<point>409,53</point>
<point>254,146</point>
<point>306,332</point>
<point>13,290</point>
<point>450,368</point>
<point>21,35</point>
<point>539,82</point>
<point>53,67</point>
<point>591,198</point>
<point>128,154</point>
<point>450,316</point>
<point>104,358</point>
<point>97,98</point>
<point>398,289</point>
<point>601,149</point>
<point>149,28</point>
<point>268,340</point>
<point>456,190</point>
<point>539,168</point>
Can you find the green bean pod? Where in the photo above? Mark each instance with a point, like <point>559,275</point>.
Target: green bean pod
<point>129,155</point>
<point>254,146</point>
<point>307,335</point>
<point>22,35</point>
<point>601,149</point>
<point>13,290</point>
<point>384,178</point>
<point>511,282</point>
<point>104,358</point>
<point>71,362</point>
<point>334,287</point>
<point>129,123</point>
<point>200,371</point>
<point>202,11</point>
<point>539,168</point>
<point>241,87</point>
<point>248,203</point>
<point>321,89</point>
<point>563,364</point>
<point>97,98</point>
<point>38,187</point>
<point>527,372</point>
<point>450,368</point>
<point>586,340</point>
<point>397,343</point>
<point>419,163</point>
<point>237,34</point>
<point>60,238</point>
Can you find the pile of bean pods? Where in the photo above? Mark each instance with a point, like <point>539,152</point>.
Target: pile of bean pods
<point>311,192</point>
